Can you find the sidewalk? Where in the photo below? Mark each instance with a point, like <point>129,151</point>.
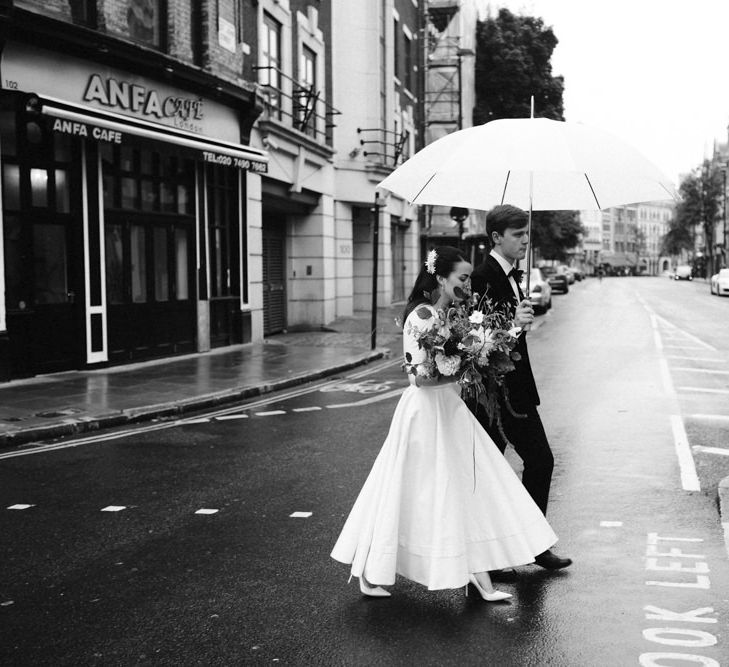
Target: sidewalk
<point>51,406</point>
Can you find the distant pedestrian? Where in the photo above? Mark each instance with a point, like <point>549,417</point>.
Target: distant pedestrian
<point>441,506</point>
<point>508,231</point>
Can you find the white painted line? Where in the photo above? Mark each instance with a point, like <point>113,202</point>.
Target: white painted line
<point>704,390</point>
<point>689,479</point>
<point>195,421</point>
<point>312,408</point>
<point>20,506</point>
<point>666,378</point>
<point>611,524</point>
<point>270,412</point>
<point>223,418</point>
<point>675,358</point>
<point>300,515</point>
<point>702,370</point>
<point>367,401</point>
<point>725,526</point>
<point>711,450</point>
<point>114,508</point>
<point>709,417</point>
<point>683,347</point>
<point>688,335</point>
<point>206,511</point>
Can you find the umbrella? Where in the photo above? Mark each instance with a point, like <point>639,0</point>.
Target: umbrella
<point>533,163</point>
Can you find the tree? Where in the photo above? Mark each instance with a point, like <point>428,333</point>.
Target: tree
<point>513,63</point>
<point>513,56</point>
<point>700,206</point>
<point>554,233</point>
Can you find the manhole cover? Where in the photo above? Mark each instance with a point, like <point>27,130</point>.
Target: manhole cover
<point>64,412</point>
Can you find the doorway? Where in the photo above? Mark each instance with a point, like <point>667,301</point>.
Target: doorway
<point>274,273</point>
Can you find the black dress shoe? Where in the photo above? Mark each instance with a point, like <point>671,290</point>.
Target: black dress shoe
<point>508,574</point>
<point>550,561</point>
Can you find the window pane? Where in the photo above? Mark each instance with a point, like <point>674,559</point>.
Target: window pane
<point>128,193</point>
<point>114,264</point>
<point>8,143</point>
<point>161,274</point>
<point>144,20</point>
<point>139,266</point>
<point>126,162</point>
<point>62,147</point>
<point>16,286</point>
<point>108,191</point>
<point>63,204</point>
<point>49,263</point>
<point>181,286</point>
<point>38,187</point>
<point>219,268</point>
<point>184,201</point>
<point>168,197</point>
<point>149,196</point>
<point>11,186</point>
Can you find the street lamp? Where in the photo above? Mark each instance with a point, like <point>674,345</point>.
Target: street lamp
<point>459,215</point>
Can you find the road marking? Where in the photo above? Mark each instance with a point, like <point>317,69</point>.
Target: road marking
<point>702,370</point>
<point>206,511</point>
<point>710,417</point>
<point>269,413</point>
<point>689,479</point>
<point>704,390</point>
<point>20,506</point>
<point>300,515</point>
<point>682,347</point>
<point>311,409</point>
<point>711,450</point>
<point>113,508</point>
<point>223,418</point>
<point>666,378</point>
<point>611,524</point>
<point>711,359</point>
<point>198,420</point>
<point>367,401</point>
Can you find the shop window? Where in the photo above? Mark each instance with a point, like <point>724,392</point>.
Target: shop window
<point>223,232</point>
<point>49,263</point>
<point>161,273</point>
<point>16,287</point>
<point>39,187</point>
<point>114,264</point>
<point>138,264</point>
<point>63,198</point>
<point>8,143</point>
<point>11,187</point>
<point>182,289</point>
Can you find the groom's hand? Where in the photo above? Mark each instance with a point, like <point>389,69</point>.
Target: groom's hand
<point>524,314</point>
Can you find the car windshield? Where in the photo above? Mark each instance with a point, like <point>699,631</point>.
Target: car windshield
<point>724,273</point>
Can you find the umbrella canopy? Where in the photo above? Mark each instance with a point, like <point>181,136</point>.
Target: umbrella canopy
<point>533,163</point>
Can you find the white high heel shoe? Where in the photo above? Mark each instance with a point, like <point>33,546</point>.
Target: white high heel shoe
<point>493,596</point>
<point>372,591</point>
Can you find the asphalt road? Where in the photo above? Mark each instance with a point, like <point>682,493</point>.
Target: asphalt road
<point>206,541</point>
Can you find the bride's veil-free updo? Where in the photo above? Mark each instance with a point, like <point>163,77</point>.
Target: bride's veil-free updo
<point>426,286</point>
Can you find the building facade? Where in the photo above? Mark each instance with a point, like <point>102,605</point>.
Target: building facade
<point>129,183</point>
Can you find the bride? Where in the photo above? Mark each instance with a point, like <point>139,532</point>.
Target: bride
<point>441,505</point>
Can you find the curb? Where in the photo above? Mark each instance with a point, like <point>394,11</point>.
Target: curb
<point>175,408</point>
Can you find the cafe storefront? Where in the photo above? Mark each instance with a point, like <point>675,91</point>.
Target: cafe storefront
<point>126,206</point>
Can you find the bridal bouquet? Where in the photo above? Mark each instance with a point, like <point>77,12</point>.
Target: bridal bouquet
<point>474,341</point>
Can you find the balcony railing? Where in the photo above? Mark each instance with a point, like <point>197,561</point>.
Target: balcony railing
<point>299,104</point>
<point>386,148</point>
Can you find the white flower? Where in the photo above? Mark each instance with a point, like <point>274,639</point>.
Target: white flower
<point>424,370</point>
<point>476,317</point>
<point>447,365</point>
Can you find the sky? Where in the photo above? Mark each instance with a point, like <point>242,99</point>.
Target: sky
<point>654,73</point>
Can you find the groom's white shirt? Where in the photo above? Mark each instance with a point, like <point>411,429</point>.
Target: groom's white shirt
<point>504,264</point>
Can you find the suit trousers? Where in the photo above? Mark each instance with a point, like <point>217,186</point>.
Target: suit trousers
<point>530,442</point>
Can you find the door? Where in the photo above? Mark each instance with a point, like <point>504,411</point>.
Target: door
<point>274,274</point>
<point>397,245</point>
<point>43,246</point>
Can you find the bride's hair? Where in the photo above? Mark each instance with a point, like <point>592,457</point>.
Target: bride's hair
<point>446,258</point>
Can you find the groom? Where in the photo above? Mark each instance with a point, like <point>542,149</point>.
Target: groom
<point>497,278</point>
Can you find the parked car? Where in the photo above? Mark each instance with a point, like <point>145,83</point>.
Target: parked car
<point>540,292</point>
<point>557,281</point>
<point>720,282</point>
<point>683,272</point>
<point>563,268</point>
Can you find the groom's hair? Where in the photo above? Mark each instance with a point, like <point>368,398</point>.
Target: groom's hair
<point>500,218</point>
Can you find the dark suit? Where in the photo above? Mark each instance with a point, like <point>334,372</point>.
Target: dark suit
<point>526,434</point>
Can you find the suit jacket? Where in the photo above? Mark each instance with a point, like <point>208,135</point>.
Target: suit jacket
<point>489,278</point>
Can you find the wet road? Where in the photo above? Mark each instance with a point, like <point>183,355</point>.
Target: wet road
<point>207,542</point>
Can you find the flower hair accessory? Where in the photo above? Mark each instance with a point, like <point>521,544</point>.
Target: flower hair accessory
<point>430,261</point>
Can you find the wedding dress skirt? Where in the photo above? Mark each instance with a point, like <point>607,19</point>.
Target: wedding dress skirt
<point>441,501</point>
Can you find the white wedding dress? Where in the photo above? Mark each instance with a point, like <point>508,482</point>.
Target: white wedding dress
<point>441,501</point>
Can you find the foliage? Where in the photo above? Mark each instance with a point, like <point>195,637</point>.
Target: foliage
<point>700,206</point>
<point>555,233</point>
<point>513,64</point>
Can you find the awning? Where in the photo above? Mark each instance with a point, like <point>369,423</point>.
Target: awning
<point>105,126</point>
